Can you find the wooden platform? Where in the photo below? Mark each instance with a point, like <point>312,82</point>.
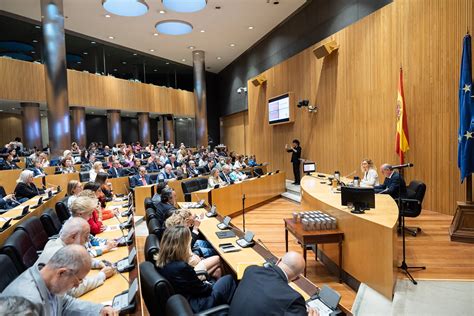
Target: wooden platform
<point>444,259</point>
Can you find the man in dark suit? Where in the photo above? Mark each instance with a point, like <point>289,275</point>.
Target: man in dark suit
<point>140,179</point>
<point>295,151</point>
<point>391,184</point>
<point>225,174</point>
<point>37,170</point>
<point>210,165</point>
<point>116,170</point>
<point>265,290</point>
<point>166,206</point>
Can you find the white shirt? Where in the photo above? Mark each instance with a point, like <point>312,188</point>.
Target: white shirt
<point>371,178</point>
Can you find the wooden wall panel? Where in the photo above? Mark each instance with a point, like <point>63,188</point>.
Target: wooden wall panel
<point>10,127</point>
<point>234,132</point>
<point>24,81</point>
<point>356,90</point>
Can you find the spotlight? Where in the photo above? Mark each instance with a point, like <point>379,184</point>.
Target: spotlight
<point>242,90</point>
<point>305,103</point>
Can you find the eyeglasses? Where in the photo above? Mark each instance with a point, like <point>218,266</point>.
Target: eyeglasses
<point>79,281</point>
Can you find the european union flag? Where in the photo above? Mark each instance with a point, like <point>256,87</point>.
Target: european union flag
<point>466,113</point>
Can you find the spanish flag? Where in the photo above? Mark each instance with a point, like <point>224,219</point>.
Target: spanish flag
<point>402,138</point>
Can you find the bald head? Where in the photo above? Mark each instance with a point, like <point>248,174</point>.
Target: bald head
<point>293,264</point>
<point>75,231</point>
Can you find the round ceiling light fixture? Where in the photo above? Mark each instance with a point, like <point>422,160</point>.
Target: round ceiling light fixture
<point>174,27</point>
<point>184,6</point>
<point>126,7</point>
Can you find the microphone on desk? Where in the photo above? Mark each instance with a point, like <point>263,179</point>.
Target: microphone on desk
<point>122,225</point>
<point>405,165</point>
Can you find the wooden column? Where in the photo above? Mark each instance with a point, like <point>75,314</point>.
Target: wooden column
<point>31,121</point>
<point>114,127</point>
<point>78,125</point>
<point>144,127</point>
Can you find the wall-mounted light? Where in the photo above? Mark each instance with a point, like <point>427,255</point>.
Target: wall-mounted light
<point>305,103</point>
<point>242,90</point>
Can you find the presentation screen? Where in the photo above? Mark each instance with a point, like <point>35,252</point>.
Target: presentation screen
<point>279,109</point>
<point>309,167</point>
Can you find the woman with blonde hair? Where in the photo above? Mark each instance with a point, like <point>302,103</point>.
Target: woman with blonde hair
<point>371,177</point>
<point>172,263</point>
<point>74,187</point>
<point>214,179</point>
<point>96,168</point>
<point>212,263</point>
<point>25,188</point>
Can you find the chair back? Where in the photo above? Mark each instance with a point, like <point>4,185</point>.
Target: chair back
<point>149,203</point>
<point>62,211</point>
<point>152,247</point>
<point>189,187</point>
<point>51,223</point>
<point>156,290</point>
<point>35,230</point>
<point>21,250</point>
<point>201,170</point>
<point>149,214</point>
<point>258,171</point>
<point>9,271</point>
<point>154,227</point>
<point>416,190</point>
<point>178,305</point>
<point>202,183</point>
<point>84,176</point>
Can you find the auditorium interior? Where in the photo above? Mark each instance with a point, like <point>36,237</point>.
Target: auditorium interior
<point>319,151</point>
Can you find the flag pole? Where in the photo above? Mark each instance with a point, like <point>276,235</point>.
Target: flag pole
<point>469,189</point>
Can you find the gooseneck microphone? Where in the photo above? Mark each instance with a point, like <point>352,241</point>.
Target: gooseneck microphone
<point>405,165</point>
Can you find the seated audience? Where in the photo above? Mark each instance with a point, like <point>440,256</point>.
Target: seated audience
<point>115,171</point>
<point>37,169</point>
<point>172,263</point>
<point>25,188</point>
<point>371,178</point>
<point>91,190</point>
<point>391,184</point>
<point>237,175</point>
<point>251,298</point>
<point>67,166</point>
<point>74,187</point>
<point>96,168</point>
<point>43,157</point>
<point>240,162</point>
<point>46,287</point>
<point>16,305</point>
<point>252,162</point>
<point>141,179</point>
<point>192,170</point>
<point>153,165</point>
<point>214,179</point>
<point>173,162</point>
<point>75,231</point>
<point>167,174</point>
<point>9,163</point>
<point>186,218</point>
<point>158,189</point>
<point>83,207</point>
<point>7,202</point>
<point>166,206</point>
<point>210,165</point>
<point>136,165</point>
<point>105,187</point>
<point>225,174</point>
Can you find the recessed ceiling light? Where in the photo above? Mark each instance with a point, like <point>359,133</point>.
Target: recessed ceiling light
<point>250,27</point>
<point>33,52</point>
<point>155,69</point>
<point>184,6</point>
<point>85,53</point>
<point>108,16</point>
<point>152,50</point>
<point>1,110</point>
<point>174,27</point>
<point>202,31</point>
<point>191,47</point>
<point>155,34</point>
<point>79,62</point>
<point>184,59</point>
<point>37,27</point>
<point>167,63</point>
<point>232,45</point>
<point>13,108</point>
<point>115,69</point>
<point>124,62</point>
<point>111,37</point>
<point>134,54</point>
<point>35,41</point>
<point>162,11</point>
<point>219,57</point>
<point>93,42</point>
<point>126,7</point>
<point>92,112</point>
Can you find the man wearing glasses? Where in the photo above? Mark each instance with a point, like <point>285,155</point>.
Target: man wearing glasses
<point>46,286</point>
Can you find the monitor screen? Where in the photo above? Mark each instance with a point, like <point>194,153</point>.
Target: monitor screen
<point>279,109</point>
<point>309,167</point>
<point>362,197</point>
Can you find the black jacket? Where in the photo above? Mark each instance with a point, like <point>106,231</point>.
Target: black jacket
<point>184,280</point>
<point>265,291</point>
<point>114,172</point>
<point>391,185</point>
<point>295,156</point>
<point>23,190</point>
<point>163,211</point>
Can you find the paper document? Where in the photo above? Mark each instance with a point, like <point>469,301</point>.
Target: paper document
<point>320,307</point>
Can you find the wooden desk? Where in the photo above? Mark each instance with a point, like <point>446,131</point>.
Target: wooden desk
<point>256,254</point>
<point>370,240</point>
<point>141,193</point>
<point>228,199</point>
<point>314,237</point>
<point>36,212</point>
<point>119,185</point>
<point>8,179</point>
<point>117,283</point>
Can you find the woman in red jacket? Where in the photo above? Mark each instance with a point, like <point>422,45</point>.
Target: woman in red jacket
<point>99,214</point>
